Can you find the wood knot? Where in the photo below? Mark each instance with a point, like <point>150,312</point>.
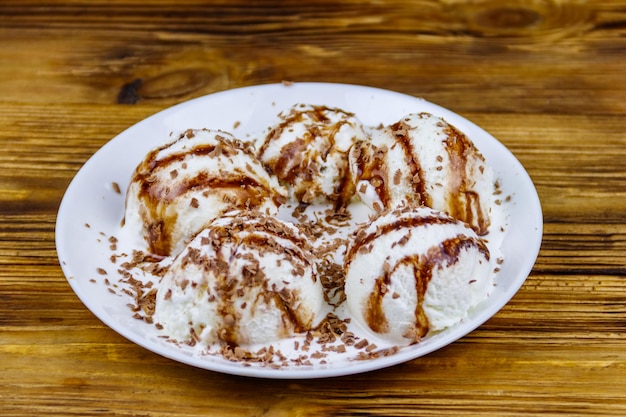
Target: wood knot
<point>128,93</point>
<point>508,18</point>
<point>175,83</point>
<point>538,19</point>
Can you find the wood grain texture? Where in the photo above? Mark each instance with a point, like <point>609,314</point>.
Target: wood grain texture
<point>545,77</point>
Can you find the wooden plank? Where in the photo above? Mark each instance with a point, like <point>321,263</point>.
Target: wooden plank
<point>546,78</point>
<point>448,54</point>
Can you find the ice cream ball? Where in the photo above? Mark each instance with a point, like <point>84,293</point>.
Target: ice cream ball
<point>413,271</point>
<point>185,184</point>
<point>308,152</point>
<point>422,160</point>
<point>248,278</point>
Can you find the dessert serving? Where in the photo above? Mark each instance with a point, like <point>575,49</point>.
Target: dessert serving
<point>298,231</point>
<point>422,160</point>
<point>179,188</point>
<point>318,219</point>
<point>413,271</point>
<point>247,278</point>
<point>308,152</point>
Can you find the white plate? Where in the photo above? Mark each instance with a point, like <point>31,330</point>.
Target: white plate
<point>91,199</point>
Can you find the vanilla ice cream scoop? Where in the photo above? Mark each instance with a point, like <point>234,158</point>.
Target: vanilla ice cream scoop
<point>182,186</point>
<point>423,161</point>
<point>247,278</point>
<point>415,270</point>
<point>307,150</point>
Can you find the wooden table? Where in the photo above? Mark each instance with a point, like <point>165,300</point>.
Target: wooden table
<point>546,77</point>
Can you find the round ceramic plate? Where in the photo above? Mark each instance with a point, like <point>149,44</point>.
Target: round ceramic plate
<point>93,207</point>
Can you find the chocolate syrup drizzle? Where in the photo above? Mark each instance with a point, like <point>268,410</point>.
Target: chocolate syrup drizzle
<point>243,236</point>
<point>298,160</point>
<point>439,255</point>
<point>240,187</point>
<point>461,202</point>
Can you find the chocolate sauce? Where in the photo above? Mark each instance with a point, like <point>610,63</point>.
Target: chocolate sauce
<point>372,167</point>
<point>439,256</point>
<point>462,202</point>
<point>156,195</point>
<point>401,134</point>
<point>363,239</point>
<point>241,236</point>
<point>374,312</point>
<point>299,160</point>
